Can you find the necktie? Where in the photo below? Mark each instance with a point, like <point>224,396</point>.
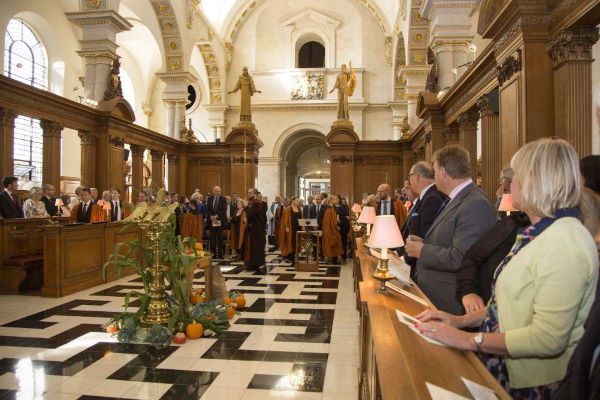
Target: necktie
<point>215,202</point>
<point>444,204</point>
<point>318,209</point>
<point>387,207</point>
<point>84,209</point>
<point>117,211</point>
<point>12,196</point>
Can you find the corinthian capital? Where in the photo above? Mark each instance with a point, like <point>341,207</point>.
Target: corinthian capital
<point>573,44</point>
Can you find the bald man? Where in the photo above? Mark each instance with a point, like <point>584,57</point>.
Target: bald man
<point>389,206</point>
<point>216,210</point>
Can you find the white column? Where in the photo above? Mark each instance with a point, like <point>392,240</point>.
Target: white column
<point>179,121</point>
<point>213,132</point>
<point>170,119</point>
<point>415,77</point>
<point>221,132</point>
<point>268,177</point>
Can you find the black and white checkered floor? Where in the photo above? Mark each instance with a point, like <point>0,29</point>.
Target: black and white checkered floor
<point>297,339</point>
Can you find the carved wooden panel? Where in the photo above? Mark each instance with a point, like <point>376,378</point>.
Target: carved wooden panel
<point>83,256</point>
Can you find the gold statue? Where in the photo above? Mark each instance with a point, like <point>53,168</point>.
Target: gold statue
<point>345,84</point>
<point>246,85</point>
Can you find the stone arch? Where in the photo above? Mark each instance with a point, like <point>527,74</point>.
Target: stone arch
<point>400,60</point>
<point>303,36</point>
<point>171,36</point>
<point>293,130</point>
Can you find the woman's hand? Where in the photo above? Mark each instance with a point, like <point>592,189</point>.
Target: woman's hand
<point>472,303</point>
<point>441,316</point>
<point>448,335</point>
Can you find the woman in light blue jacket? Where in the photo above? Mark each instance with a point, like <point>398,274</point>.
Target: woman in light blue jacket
<point>543,290</point>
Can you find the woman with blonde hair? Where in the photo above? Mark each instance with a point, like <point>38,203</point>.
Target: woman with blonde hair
<point>371,201</point>
<point>332,241</point>
<point>34,206</point>
<point>543,289</point>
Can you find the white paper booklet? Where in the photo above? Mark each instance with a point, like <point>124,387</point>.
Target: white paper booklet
<point>438,393</point>
<point>410,321</point>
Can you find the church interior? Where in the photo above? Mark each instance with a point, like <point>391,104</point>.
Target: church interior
<point>197,198</point>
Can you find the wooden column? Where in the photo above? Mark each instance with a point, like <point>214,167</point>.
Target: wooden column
<point>137,170</point>
<point>7,141</point>
<point>342,141</point>
<point>406,161</point>
<point>243,145</point>
<point>51,153</point>
<point>158,169</point>
<point>571,51</point>
<point>173,170</point>
<point>182,175</point>
<point>467,128</point>
<point>451,135</point>
<point>116,165</point>
<point>88,158</point>
<point>491,148</point>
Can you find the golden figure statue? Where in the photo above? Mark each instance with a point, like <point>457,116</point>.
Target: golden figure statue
<point>345,84</point>
<point>246,85</point>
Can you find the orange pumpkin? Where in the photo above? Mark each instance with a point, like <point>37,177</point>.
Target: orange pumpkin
<point>199,246</point>
<point>112,328</point>
<point>227,301</point>
<point>230,312</point>
<point>240,301</point>
<point>194,330</point>
<point>199,291</point>
<point>195,299</point>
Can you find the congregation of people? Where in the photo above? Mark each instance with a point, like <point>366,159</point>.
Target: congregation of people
<point>519,287</point>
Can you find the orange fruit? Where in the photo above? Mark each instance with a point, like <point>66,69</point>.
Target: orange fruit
<point>194,330</point>
<point>227,301</point>
<point>230,312</point>
<point>240,301</point>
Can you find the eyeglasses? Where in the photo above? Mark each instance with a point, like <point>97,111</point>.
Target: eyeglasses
<point>409,175</point>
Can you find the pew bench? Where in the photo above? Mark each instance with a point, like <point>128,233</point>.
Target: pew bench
<point>20,274</point>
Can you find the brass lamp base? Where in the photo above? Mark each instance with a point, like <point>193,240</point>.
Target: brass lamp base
<point>382,274</point>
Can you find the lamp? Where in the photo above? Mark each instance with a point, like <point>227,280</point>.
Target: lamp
<point>356,208</point>
<point>385,235</point>
<point>506,204</point>
<point>367,216</point>
<point>58,203</point>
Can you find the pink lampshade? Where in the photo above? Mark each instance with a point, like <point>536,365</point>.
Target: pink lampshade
<point>385,233</point>
<point>58,203</point>
<point>356,208</point>
<point>506,204</point>
<point>367,216</point>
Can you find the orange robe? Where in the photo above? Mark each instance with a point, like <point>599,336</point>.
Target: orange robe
<point>286,244</point>
<point>332,240</point>
<point>193,226</point>
<point>97,215</point>
<point>400,213</point>
<point>277,224</point>
<point>238,234</point>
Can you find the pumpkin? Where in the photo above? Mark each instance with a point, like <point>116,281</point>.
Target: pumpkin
<point>199,291</point>
<point>194,330</point>
<point>195,299</point>
<point>240,301</point>
<point>230,312</point>
<point>199,246</point>
<point>227,301</point>
<point>112,328</point>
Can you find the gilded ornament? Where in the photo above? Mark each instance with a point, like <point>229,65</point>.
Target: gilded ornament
<point>418,58</point>
<point>173,45</point>
<point>169,25</point>
<point>162,8</point>
<point>419,37</point>
<point>216,98</point>
<point>95,3</point>
<point>345,83</point>
<point>309,86</point>
<point>174,64</point>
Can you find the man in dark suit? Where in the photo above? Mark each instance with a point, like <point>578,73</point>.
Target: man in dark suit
<point>463,217</point>
<point>117,213</point>
<point>321,207</point>
<point>9,204</point>
<point>49,200</point>
<point>310,209</point>
<point>83,210</point>
<point>425,206</point>
<point>390,206</point>
<point>216,208</point>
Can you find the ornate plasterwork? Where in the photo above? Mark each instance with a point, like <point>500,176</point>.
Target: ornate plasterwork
<point>468,120</point>
<point>171,37</point>
<point>464,99</point>
<point>192,12</point>
<point>309,86</point>
<point>87,138</point>
<point>509,66</point>
<point>212,71</point>
<point>388,49</point>
<point>450,134</point>
<point>573,44</point>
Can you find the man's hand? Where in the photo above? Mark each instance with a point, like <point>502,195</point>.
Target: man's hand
<point>414,245</point>
<point>472,303</point>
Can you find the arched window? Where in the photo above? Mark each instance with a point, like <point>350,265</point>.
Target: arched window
<point>311,55</point>
<point>25,60</point>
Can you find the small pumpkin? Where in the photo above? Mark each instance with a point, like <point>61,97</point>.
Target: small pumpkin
<point>227,301</point>
<point>199,246</point>
<point>194,330</point>
<point>240,301</point>
<point>112,328</point>
<point>195,299</point>
<point>199,291</point>
<point>230,312</point>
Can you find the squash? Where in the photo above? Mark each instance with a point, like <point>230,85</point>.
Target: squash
<point>195,299</point>
<point>240,300</point>
<point>227,301</point>
<point>230,312</point>
<point>194,330</point>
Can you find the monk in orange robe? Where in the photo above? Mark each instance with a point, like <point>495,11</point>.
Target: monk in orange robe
<point>332,240</point>
<point>193,224</point>
<point>277,224</point>
<point>288,229</point>
<point>238,225</point>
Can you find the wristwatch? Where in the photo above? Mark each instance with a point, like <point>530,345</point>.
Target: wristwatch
<point>478,339</point>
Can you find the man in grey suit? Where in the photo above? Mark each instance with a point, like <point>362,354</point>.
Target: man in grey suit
<point>463,217</point>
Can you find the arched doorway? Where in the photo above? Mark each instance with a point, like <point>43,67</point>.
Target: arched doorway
<point>306,167</point>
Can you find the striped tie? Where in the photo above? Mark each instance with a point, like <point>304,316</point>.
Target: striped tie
<point>444,204</point>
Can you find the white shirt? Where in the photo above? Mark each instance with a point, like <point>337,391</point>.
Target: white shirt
<point>459,188</point>
<point>386,206</point>
<point>118,210</point>
<point>422,194</point>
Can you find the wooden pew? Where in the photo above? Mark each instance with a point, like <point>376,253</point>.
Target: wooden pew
<point>75,254</point>
<point>395,362</point>
<point>21,253</point>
